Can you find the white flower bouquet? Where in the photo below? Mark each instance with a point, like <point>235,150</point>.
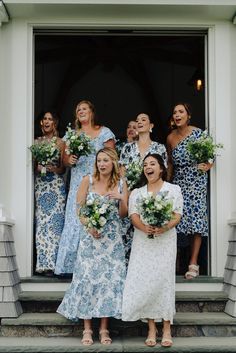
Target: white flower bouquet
<point>203,149</point>
<point>77,144</point>
<point>44,151</point>
<point>133,172</point>
<point>155,210</point>
<point>95,213</point>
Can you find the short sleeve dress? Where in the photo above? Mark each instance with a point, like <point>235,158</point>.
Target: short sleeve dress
<point>149,291</point>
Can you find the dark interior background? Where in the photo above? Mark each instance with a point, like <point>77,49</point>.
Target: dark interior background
<point>122,75</point>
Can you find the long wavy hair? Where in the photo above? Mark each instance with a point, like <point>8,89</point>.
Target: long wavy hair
<point>115,173</point>
<point>143,180</point>
<point>92,108</point>
<point>55,119</point>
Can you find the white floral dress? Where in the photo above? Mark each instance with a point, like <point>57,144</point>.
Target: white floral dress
<point>149,291</point>
<point>98,279</point>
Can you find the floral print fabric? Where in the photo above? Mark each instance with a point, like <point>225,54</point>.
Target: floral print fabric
<point>71,233</point>
<point>50,199</point>
<point>98,279</point>
<point>149,291</point>
<point>193,183</point>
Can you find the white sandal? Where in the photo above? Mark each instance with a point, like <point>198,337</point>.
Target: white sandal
<point>193,272</point>
<point>87,339</point>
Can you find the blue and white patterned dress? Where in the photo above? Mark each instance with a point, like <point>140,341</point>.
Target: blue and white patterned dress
<point>130,153</point>
<point>50,200</point>
<point>193,183</point>
<point>71,233</point>
<point>97,286</point>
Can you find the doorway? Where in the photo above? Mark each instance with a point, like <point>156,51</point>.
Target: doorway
<point>123,73</point>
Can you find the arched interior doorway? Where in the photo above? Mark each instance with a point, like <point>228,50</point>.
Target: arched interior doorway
<point>123,74</point>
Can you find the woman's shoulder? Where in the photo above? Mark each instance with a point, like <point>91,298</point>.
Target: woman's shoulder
<point>172,187</point>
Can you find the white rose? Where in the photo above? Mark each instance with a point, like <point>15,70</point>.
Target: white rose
<point>102,221</point>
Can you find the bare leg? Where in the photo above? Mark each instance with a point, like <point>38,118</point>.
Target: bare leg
<point>103,331</point>
<point>166,337</point>
<point>196,245</point>
<point>152,333</point>
<point>87,339</point>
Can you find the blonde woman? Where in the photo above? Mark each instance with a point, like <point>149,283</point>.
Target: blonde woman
<point>97,285</point>
<point>101,137</point>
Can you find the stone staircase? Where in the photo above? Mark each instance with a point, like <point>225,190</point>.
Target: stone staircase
<point>200,325</point>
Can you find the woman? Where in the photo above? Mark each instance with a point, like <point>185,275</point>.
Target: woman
<point>131,135</point>
<point>99,274</point>
<point>50,198</point>
<point>100,136</point>
<point>135,152</point>
<point>192,178</point>
<point>149,292</point>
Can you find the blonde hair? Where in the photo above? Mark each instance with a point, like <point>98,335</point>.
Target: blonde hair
<point>115,174</point>
<point>91,107</point>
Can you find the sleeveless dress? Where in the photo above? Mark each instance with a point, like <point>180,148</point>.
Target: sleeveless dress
<point>149,291</point>
<point>193,183</point>
<point>50,200</point>
<point>97,285</point>
<point>71,232</point>
<point>130,153</point>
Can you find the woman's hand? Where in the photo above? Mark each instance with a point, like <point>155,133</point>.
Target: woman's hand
<point>94,233</point>
<point>72,159</point>
<point>115,195</point>
<point>204,167</point>
<point>50,168</point>
<point>147,229</point>
<point>160,230</point>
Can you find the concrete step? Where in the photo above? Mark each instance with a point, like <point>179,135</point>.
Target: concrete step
<point>186,324</point>
<point>134,344</point>
<point>47,301</point>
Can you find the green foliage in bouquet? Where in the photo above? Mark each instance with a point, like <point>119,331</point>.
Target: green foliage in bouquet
<point>77,144</point>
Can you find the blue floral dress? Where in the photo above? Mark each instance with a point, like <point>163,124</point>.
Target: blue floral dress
<point>193,183</point>
<point>71,233</point>
<point>50,200</point>
<point>130,153</point>
<point>97,286</point>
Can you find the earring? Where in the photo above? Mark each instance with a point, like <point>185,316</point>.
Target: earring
<point>150,130</point>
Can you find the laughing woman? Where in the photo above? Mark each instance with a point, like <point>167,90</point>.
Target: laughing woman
<point>98,279</point>
<point>149,293</point>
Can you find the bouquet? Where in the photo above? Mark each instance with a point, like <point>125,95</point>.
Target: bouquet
<point>77,144</point>
<point>44,151</point>
<point>133,173</point>
<point>155,210</point>
<point>95,213</point>
<point>203,149</point>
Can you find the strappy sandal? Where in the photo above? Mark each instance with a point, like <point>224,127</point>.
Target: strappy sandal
<point>104,337</point>
<point>193,272</point>
<point>166,340</point>
<point>87,338</point>
<point>151,341</point>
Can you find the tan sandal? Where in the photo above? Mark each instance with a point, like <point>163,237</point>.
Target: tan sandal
<point>166,340</point>
<point>87,339</point>
<point>104,337</point>
<point>151,341</point>
<point>193,272</point>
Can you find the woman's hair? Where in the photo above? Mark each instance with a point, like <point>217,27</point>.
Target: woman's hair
<point>55,119</point>
<point>143,180</point>
<point>187,107</point>
<point>115,174</point>
<point>91,107</point>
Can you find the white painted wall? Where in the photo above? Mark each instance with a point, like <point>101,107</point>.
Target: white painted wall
<point>17,106</point>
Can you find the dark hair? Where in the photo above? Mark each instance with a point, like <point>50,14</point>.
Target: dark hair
<point>143,180</point>
<point>187,107</point>
<point>55,120</point>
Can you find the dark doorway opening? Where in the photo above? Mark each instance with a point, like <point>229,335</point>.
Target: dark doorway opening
<point>123,75</point>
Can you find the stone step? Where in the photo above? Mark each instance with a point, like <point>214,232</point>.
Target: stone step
<point>185,325</point>
<point>46,301</point>
<point>133,344</point>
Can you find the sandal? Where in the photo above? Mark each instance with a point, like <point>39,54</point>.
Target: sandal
<point>151,341</point>
<point>193,272</point>
<point>87,338</point>
<point>104,337</point>
<point>166,340</point>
